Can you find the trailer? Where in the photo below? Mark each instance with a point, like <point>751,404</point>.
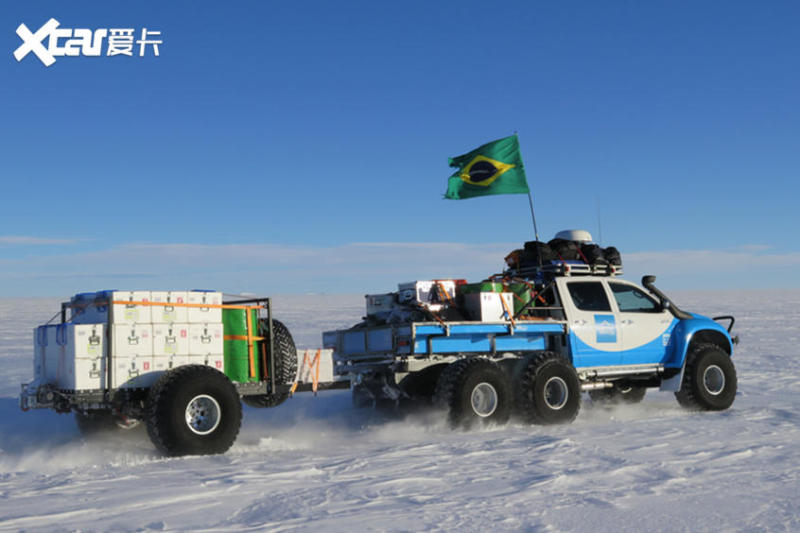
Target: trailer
<point>180,362</point>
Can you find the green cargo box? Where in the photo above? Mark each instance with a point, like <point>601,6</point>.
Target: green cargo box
<point>237,355</point>
<point>483,286</point>
<point>522,295</point>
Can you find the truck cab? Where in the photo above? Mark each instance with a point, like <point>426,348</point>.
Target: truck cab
<point>614,324</point>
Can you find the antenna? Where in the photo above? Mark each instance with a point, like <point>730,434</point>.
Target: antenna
<point>599,222</point>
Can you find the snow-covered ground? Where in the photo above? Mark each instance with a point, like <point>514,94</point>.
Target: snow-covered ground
<point>319,463</point>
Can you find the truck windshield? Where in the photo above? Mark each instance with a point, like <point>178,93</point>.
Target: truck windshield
<point>632,300</point>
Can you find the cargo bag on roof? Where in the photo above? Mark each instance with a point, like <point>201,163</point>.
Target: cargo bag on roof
<point>534,252</point>
<point>594,254</point>
<point>565,250</point>
<point>613,256</point>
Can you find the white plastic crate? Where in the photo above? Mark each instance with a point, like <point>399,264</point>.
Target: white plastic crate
<point>165,363</point>
<point>132,340</point>
<point>167,314</point>
<point>80,373</point>
<point>43,336</point>
<point>133,372</point>
<point>130,313</point>
<point>61,352</point>
<point>202,315</point>
<point>380,303</point>
<point>214,360</point>
<point>83,340</point>
<point>488,307</point>
<point>170,339</point>
<point>428,292</point>
<point>205,339</point>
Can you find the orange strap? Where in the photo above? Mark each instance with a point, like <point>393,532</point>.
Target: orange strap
<point>505,307</point>
<point>316,371</point>
<point>440,285</point>
<point>312,364</point>
<point>264,365</point>
<point>242,338</point>
<point>175,304</point>
<point>250,355</point>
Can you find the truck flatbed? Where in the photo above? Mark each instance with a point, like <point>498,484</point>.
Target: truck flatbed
<point>427,338</point>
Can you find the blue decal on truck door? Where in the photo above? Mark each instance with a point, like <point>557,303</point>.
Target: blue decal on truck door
<point>606,328</point>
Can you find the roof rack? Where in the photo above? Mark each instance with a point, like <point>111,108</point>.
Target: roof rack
<point>567,268</point>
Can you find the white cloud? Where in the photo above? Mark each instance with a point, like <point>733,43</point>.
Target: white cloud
<point>687,261</point>
<point>354,267</point>
<point>754,247</point>
<point>28,240</point>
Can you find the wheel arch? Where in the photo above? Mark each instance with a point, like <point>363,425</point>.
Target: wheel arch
<point>687,335</point>
<point>710,336</point>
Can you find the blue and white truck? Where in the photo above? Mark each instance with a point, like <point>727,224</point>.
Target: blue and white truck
<point>582,328</point>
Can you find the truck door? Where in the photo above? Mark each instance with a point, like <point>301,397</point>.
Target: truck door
<point>594,333</point>
<point>645,327</point>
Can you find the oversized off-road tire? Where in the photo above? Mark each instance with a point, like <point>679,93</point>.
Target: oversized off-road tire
<point>193,410</point>
<point>474,391</point>
<point>93,422</point>
<point>420,386</point>
<point>361,397</point>
<point>709,379</point>
<point>548,390</point>
<point>619,394</point>
<point>285,364</point>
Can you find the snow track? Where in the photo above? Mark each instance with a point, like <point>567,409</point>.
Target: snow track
<point>320,463</point>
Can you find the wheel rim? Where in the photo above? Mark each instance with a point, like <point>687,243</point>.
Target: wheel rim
<point>484,399</point>
<point>714,380</point>
<point>556,393</point>
<point>203,414</point>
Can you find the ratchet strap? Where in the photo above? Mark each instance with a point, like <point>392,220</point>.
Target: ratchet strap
<point>312,364</point>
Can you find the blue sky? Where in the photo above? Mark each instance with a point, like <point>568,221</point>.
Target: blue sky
<point>280,147</point>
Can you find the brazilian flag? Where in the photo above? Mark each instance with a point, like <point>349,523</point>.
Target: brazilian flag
<point>494,168</point>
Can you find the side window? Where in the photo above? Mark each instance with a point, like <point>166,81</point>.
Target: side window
<point>632,300</point>
<point>589,296</point>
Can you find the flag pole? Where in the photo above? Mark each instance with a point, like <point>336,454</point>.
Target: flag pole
<point>535,230</point>
<point>533,217</point>
<point>530,202</point>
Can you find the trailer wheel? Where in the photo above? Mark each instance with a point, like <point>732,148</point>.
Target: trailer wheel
<point>285,364</point>
<point>474,391</point>
<point>549,391</point>
<point>193,410</point>
<point>709,379</point>
<point>629,394</point>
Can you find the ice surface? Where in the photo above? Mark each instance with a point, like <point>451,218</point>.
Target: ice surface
<point>319,463</point>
